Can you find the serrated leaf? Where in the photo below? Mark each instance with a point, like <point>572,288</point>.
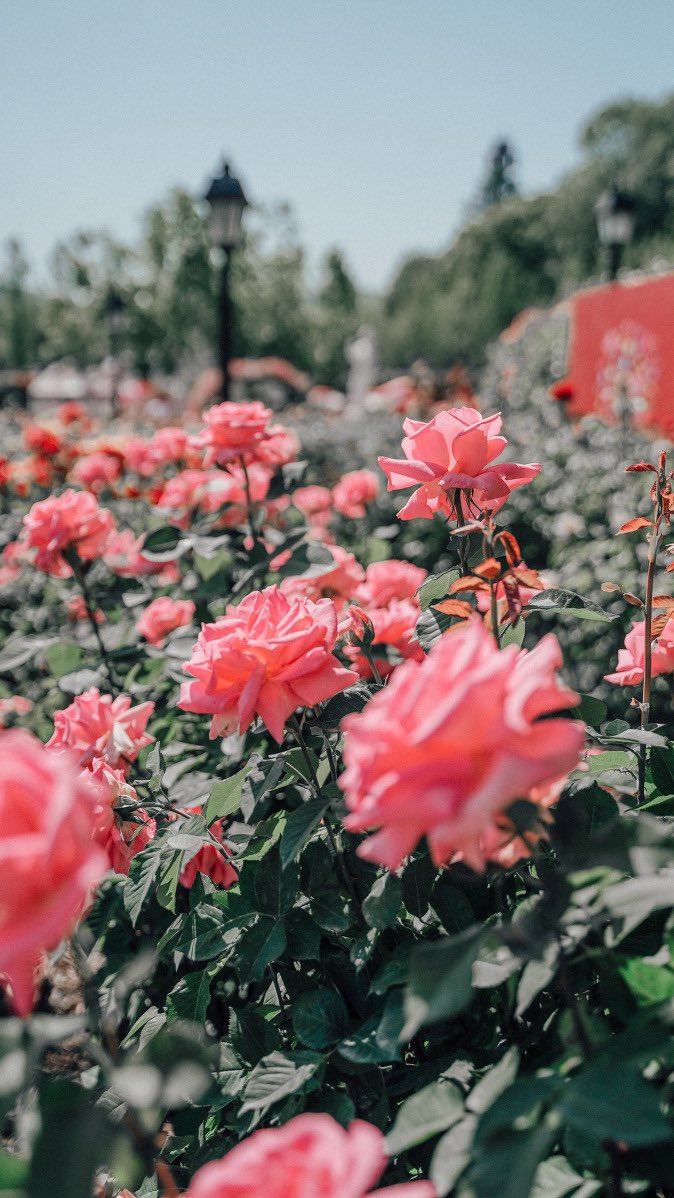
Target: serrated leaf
<point>198,935</point>
<point>301,824</point>
<point>425,1114</point>
<point>440,980</point>
<point>319,1018</point>
<point>142,874</point>
<point>225,797</point>
<point>259,946</point>
<point>435,587</point>
<point>559,602</point>
<point>277,1076</point>
<point>190,998</point>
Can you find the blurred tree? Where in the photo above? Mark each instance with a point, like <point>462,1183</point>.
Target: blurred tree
<point>18,331</point>
<point>336,319</point>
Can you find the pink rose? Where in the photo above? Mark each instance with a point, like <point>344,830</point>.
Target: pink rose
<point>49,861</point>
<point>311,1156</point>
<point>338,582</point>
<point>385,581</point>
<point>451,742</point>
<point>162,616</point>
<point>312,500</point>
<point>354,491</point>
<point>267,657</point>
<point>393,626</point>
<point>280,446</point>
<point>209,860</point>
<point>122,828</point>
<point>72,520</point>
<point>95,471</point>
<point>233,430</point>
<point>630,671</point>
<point>123,555</point>
<point>451,456</point>
<point>96,725</point>
<point>77,610</point>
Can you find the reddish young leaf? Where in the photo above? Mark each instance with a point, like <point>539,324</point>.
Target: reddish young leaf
<point>633,600</point>
<point>639,467</point>
<point>666,601</point>
<point>466,584</point>
<point>490,569</point>
<point>658,623</point>
<point>454,607</point>
<point>633,525</point>
<point>512,549</point>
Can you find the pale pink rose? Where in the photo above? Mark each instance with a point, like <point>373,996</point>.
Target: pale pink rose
<point>313,500</point>
<point>393,626</point>
<point>122,828</point>
<point>123,555</point>
<point>72,520</point>
<point>354,492</point>
<point>267,657</point>
<point>96,725</point>
<point>209,860</point>
<point>452,742</point>
<point>280,446</point>
<point>386,581</point>
<point>169,444</point>
<point>95,471</point>
<point>630,671</point>
<point>233,430</point>
<point>452,455</point>
<point>49,861</point>
<point>339,581</point>
<point>161,616</point>
<point>77,610</point>
<point>311,1156</point>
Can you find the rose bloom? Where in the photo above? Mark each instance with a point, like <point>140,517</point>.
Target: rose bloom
<point>121,837</point>
<point>95,471</point>
<point>16,705</point>
<point>280,446</point>
<point>72,520</point>
<point>386,581</point>
<point>41,440</point>
<point>267,657</point>
<point>453,453</point>
<point>338,582</point>
<point>77,610</point>
<point>354,491</point>
<point>162,616</point>
<point>96,725</point>
<point>313,500</point>
<point>49,860</point>
<point>233,430</point>
<point>72,412</point>
<point>393,626</point>
<point>123,555</point>
<point>630,671</point>
<point>11,562</point>
<point>209,860</point>
<point>310,1156</point>
<point>452,742</point>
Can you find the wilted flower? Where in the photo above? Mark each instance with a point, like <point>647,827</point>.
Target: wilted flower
<point>449,459</point>
<point>96,725</point>
<point>451,742</point>
<point>267,657</point>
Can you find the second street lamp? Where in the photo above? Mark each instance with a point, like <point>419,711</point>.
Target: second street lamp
<point>615,213</point>
<point>227,202</point>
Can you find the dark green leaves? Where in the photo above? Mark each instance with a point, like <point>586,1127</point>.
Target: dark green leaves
<point>440,980</point>
<point>567,603</point>
<point>319,1018</point>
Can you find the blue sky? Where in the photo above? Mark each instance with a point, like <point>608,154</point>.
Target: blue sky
<point>373,117</point>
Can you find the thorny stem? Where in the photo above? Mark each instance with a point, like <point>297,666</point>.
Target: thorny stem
<point>249,502</point>
<point>91,616</point>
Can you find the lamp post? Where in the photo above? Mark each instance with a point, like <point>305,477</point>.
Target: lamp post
<point>227,202</point>
<point>615,213</point>
<point>115,323</point>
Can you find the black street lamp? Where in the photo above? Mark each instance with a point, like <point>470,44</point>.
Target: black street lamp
<point>615,212</point>
<point>227,202</point>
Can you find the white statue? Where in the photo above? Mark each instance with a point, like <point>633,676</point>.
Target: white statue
<point>361,354</point>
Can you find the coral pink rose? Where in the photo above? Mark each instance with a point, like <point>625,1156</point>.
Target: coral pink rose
<point>449,459</point>
<point>233,430</point>
<point>386,581</point>
<point>96,471</point>
<point>338,581</point>
<point>72,412</point>
<point>354,491</point>
<point>72,520</point>
<point>122,828</point>
<point>280,446</point>
<point>96,725</point>
<point>41,440</point>
<point>392,626</point>
<point>313,500</point>
<point>162,616</point>
<point>49,860</point>
<point>452,742</point>
<point>267,657</point>
<point>311,1156</point>
<point>630,671</point>
<point>209,860</point>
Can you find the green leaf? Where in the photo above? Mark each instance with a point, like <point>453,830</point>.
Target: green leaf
<point>300,826</point>
<point>18,650</point>
<point>435,587</point>
<point>629,1111</point>
<point>163,544</point>
<point>72,1142</point>
<point>558,602</point>
<point>417,882</point>
<point>493,1083</point>
<point>662,769</point>
<point>382,904</point>
<point>440,980</point>
<point>225,797</point>
<point>430,627</point>
<point>556,1178</point>
<point>199,935</point>
<point>275,887</point>
<point>261,944</point>
<point>513,635</point>
<point>303,935</point>
<point>648,983</point>
<point>634,900</point>
<point>190,998</point>
<point>275,1077</point>
<point>452,1154</point>
<point>13,1173</point>
<point>591,711</point>
<point>319,1018</point>
<point>142,875</point>
<point>167,887</point>
<point>343,704</point>
<point>63,658</point>
<point>506,1167</point>
<point>425,1114</point>
<point>451,906</point>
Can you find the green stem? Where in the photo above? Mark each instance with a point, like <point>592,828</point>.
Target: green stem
<point>91,615</point>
